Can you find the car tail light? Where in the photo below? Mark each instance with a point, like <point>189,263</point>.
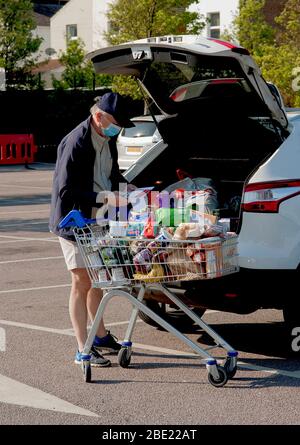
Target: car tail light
<point>266,197</point>
<point>179,94</point>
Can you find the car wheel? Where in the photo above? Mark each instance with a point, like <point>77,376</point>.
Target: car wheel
<point>175,317</point>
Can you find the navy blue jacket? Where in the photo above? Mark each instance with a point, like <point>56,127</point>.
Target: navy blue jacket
<point>73,179</point>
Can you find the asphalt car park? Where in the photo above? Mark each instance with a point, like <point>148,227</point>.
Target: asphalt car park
<point>165,383</point>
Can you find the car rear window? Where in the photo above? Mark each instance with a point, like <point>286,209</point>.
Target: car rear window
<point>141,129</point>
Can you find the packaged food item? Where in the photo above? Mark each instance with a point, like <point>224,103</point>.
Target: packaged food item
<point>94,259</point>
<point>134,229</point>
<point>188,231</point>
<point>172,217</point>
<point>213,231</point>
<point>225,223</point>
<point>138,217</point>
<point>118,274</point>
<point>103,275</point>
<point>138,245</point>
<point>180,263</point>
<point>111,263</point>
<point>214,259</point>
<point>118,228</point>
<point>151,227</point>
<point>154,246</point>
<point>155,275</point>
<point>107,253</point>
<point>165,233</point>
<point>142,261</point>
<point>202,218</point>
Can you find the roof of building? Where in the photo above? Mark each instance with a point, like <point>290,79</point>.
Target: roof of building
<point>50,65</point>
<point>43,13</point>
<point>41,20</point>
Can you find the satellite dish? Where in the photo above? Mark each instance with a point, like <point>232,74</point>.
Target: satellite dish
<point>50,51</point>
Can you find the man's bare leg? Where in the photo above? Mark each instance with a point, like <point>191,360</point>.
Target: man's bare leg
<point>94,298</point>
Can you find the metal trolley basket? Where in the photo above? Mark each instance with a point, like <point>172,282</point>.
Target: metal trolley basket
<point>121,265</point>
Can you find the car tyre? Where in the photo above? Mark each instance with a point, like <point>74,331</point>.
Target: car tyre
<point>178,319</point>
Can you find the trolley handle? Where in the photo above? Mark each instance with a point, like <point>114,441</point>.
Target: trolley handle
<point>75,219</point>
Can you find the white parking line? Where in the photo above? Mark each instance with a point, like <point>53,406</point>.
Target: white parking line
<point>175,352</point>
<point>17,393</point>
<point>20,241</point>
<point>69,332</point>
<point>24,211</point>
<point>10,291</point>
<point>36,328</point>
<point>108,325</point>
<point>22,186</point>
<point>32,259</point>
<point>22,238</point>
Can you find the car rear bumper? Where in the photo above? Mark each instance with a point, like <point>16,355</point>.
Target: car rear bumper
<point>242,292</point>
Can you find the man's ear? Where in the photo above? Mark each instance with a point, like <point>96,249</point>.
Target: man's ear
<point>98,116</point>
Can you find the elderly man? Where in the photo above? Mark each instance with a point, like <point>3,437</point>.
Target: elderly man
<point>87,163</point>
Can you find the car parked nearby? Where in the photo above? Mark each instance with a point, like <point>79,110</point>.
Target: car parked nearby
<point>223,121</point>
<point>134,141</point>
<point>292,112</point>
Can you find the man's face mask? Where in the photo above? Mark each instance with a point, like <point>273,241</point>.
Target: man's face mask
<point>111,130</point>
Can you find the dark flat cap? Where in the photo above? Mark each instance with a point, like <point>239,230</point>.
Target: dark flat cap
<point>115,104</point>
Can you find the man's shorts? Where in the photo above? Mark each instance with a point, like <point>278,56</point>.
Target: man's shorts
<point>73,257</point>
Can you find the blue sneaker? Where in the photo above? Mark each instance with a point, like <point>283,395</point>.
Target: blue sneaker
<point>96,361</point>
<point>107,343</point>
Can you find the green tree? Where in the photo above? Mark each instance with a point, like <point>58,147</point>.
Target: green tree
<point>275,48</point>
<point>288,54</point>
<point>289,24</point>
<point>137,19</point>
<point>252,30</point>
<point>17,43</point>
<point>79,72</point>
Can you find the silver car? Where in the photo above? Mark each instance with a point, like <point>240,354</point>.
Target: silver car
<point>133,142</point>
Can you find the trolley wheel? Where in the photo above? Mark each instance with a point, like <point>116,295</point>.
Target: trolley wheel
<point>221,381</point>
<point>87,372</point>
<point>177,318</point>
<point>230,371</point>
<point>124,357</point>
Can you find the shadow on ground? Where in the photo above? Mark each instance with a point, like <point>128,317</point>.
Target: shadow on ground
<point>23,200</point>
<point>24,225</point>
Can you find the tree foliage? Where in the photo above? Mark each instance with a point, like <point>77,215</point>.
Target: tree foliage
<point>137,19</point>
<point>17,42</point>
<point>79,72</point>
<point>253,32</point>
<point>275,48</point>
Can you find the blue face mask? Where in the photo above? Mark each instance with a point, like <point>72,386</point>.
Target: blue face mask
<point>111,130</point>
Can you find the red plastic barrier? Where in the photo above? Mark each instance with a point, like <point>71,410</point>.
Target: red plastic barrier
<point>17,149</point>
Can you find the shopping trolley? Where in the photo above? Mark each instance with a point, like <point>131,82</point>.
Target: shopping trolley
<point>127,267</point>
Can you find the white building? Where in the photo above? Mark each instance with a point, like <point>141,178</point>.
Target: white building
<point>220,14</point>
<point>87,19</point>
<point>80,19</point>
<point>42,30</point>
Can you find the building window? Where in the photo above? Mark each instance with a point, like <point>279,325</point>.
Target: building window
<point>214,29</point>
<point>71,32</point>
